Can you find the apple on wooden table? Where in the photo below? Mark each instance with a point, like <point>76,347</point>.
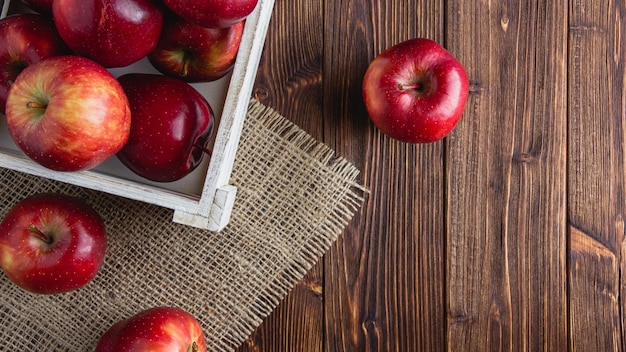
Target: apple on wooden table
<point>194,53</point>
<point>25,39</point>
<point>68,113</point>
<point>212,13</point>
<point>114,33</point>
<point>415,91</point>
<point>158,329</point>
<point>51,243</point>
<point>172,123</point>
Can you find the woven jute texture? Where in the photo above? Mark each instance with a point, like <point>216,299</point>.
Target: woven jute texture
<point>295,197</point>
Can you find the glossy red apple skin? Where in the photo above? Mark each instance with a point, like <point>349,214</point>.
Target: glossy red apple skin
<point>70,255</point>
<point>68,113</point>
<point>193,53</point>
<point>167,136</point>
<point>114,33</point>
<point>158,329</point>
<point>40,6</point>
<point>415,91</point>
<point>24,40</point>
<point>212,13</point>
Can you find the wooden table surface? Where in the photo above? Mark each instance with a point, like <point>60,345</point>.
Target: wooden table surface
<point>507,235</point>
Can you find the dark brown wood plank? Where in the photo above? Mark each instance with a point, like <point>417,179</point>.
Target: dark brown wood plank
<point>506,163</point>
<point>289,80</point>
<point>597,101</point>
<point>290,72</point>
<point>296,324</point>
<point>384,277</point>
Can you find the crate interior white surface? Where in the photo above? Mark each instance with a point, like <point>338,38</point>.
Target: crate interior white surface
<point>204,198</point>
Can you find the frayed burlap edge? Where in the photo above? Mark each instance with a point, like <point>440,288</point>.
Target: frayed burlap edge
<point>318,224</point>
<point>295,197</point>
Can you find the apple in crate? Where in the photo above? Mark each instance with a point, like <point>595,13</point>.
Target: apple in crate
<point>114,33</point>
<point>194,53</point>
<point>415,91</point>
<point>212,13</point>
<point>158,329</point>
<point>41,6</point>
<point>172,123</point>
<point>68,113</point>
<point>25,39</point>
<point>51,243</point>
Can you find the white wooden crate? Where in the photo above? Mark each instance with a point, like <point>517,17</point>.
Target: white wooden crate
<point>204,198</point>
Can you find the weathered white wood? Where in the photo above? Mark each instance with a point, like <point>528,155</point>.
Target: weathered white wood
<point>5,8</point>
<point>211,207</point>
<point>236,105</point>
<point>219,215</point>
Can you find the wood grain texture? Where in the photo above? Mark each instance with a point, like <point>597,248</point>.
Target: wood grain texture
<point>507,243</point>
<point>289,80</point>
<point>508,235</point>
<point>597,102</point>
<point>384,277</point>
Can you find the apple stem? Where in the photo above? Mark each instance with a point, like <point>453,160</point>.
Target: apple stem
<point>194,347</point>
<point>35,105</point>
<point>204,149</point>
<point>40,234</point>
<point>185,69</point>
<point>409,86</point>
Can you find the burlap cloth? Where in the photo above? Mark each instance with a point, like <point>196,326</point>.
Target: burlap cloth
<point>294,198</point>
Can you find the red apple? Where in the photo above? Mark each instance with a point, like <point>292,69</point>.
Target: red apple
<point>114,33</point>
<point>41,6</point>
<point>51,243</point>
<point>159,329</point>
<point>68,113</point>
<point>24,40</point>
<point>172,124</point>
<point>193,53</point>
<point>212,13</point>
<point>415,91</point>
